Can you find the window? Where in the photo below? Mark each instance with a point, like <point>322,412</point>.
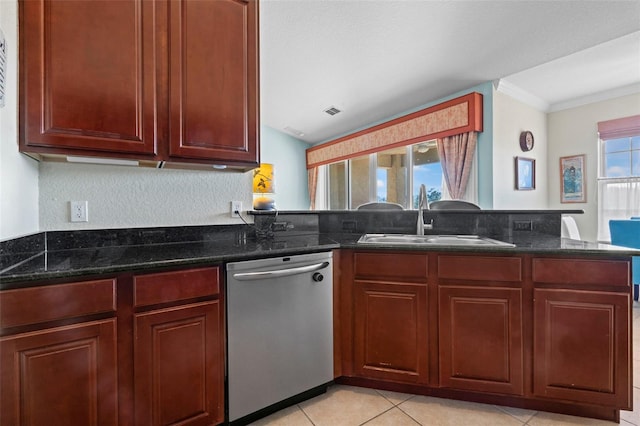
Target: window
<point>360,170</point>
<point>618,172</point>
<point>426,170</point>
<point>393,176</point>
<point>621,157</point>
<point>337,186</point>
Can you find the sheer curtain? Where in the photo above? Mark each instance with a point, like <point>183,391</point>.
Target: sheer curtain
<point>312,182</point>
<point>456,157</point>
<point>318,194</point>
<point>617,199</point>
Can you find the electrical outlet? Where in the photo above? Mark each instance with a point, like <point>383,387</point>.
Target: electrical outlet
<point>279,226</point>
<point>236,206</point>
<point>79,211</point>
<point>522,225</point>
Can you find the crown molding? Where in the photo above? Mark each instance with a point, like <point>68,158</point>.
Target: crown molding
<point>521,95</point>
<point>596,97</point>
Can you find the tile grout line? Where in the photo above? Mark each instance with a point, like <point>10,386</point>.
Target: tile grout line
<point>398,407</point>
<point>305,414</point>
<point>498,407</point>
<point>378,415</point>
<point>409,415</point>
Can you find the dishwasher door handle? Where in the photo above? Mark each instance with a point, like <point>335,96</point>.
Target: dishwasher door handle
<point>258,275</point>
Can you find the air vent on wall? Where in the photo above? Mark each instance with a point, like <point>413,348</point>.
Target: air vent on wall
<point>332,110</point>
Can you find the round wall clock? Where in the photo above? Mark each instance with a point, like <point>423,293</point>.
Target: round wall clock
<point>526,141</point>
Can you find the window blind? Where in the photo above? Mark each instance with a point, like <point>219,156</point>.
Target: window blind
<point>625,127</point>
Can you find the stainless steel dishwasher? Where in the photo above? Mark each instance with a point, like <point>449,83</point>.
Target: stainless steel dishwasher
<point>279,331</point>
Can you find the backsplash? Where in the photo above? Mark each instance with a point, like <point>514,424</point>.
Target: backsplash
<point>494,224</point>
<point>513,226</point>
<point>17,250</point>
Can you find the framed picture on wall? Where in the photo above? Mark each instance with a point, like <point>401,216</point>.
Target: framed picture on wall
<point>573,179</point>
<point>525,173</point>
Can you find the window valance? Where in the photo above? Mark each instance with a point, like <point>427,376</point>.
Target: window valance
<point>619,128</point>
<point>453,117</point>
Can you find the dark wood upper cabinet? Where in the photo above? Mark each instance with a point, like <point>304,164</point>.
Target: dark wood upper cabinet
<point>88,76</point>
<point>147,80</point>
<point>213,80</point>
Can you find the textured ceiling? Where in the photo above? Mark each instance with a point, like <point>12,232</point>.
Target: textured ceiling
<point>375,59</point>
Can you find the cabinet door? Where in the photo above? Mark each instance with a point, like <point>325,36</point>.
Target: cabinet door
<point>60,376</point>
<point>481,342</point>
<point>581,346</point>
<point>390,335</point>
<point>179,366</point>
<point>88,76</point>
<point>214,80</point>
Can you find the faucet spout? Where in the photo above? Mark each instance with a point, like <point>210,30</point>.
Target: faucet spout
<point>422,198</point>
<point>423,204</point>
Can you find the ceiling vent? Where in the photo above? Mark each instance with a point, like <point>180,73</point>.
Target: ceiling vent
<point>296,132</point>
<point>332,110</point>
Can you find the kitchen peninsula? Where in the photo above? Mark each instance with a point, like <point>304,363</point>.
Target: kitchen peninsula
<point>544,324</point>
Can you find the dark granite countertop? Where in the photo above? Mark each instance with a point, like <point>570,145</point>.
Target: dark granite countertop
<point>72,263</point>
<point>94,261</point>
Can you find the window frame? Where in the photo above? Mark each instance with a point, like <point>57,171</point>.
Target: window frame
<point>373,167</point>
<point>602,166</point>
<point>624,128</point>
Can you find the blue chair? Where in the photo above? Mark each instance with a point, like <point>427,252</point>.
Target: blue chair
<point>626,233</point>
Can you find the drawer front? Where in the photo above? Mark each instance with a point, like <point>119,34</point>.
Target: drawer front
<point>480,268</point>
<point>49,303</point>
<point>174,286</point>
<point>582,271</point>
<point>395,265</point>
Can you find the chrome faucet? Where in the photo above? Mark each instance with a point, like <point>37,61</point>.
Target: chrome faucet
<point>423,204</point>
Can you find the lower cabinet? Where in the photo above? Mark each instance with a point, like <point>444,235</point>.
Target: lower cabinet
<point>178,351</point>
<point>60,376</point>
<point>480,325</point>
<point>177,359</point>
<point>389,303</point>
<point>480,339</point>
<point>581,347</point>
<point>137,350</point>
<point>390,336</point>
<point>549,333</point>
<point>582,330</point>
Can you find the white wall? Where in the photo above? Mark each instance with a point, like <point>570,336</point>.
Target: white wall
<point>510,118</point>
<point>572,132</point>
<point>123,197</point>
<point>18,174</point>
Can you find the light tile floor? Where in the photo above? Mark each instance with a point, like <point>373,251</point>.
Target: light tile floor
<point>353,406</point>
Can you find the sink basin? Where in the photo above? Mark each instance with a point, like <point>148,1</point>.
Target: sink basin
<point>431,240</point>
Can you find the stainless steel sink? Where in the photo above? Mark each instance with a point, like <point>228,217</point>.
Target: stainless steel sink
<point>431,240</point>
